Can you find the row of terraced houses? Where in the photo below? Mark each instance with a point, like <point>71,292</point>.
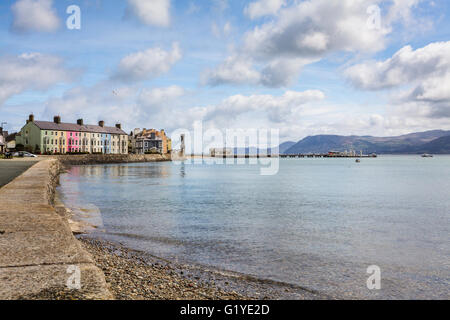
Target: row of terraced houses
<point>45,137</point>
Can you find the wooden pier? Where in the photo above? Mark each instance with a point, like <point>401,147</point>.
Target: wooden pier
<point>318,155</point>
<point>326,155</point>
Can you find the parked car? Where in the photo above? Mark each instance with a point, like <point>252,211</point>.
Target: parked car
<point>24,154</point>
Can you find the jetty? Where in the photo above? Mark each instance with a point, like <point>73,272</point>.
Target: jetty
<point>322,155</point>
<point>309,155</point>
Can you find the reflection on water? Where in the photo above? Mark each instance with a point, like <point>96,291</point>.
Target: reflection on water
<point>319,223</point>
<point>121,171</point>
<point>182,170</point>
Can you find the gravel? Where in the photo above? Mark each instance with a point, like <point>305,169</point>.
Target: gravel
<point>131,276</point>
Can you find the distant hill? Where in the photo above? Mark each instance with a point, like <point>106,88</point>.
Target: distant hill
<point>437,146</point>
<point>254,151</point>
<point>285,146</point>
<point>436,141</point>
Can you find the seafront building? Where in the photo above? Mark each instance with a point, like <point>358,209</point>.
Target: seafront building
<point>150,141</point>
<point>11,141</point>
<point>45,137</point>
<point>3,144</point>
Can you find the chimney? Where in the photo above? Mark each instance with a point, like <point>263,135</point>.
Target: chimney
<point>101,123</point>
<point>31,118</point>
<point>80,122</point>
<point>119,126</point>
<point>57,119</point>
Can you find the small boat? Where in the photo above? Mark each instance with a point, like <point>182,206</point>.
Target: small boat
<point>358,161</point>
<point>426,155</point>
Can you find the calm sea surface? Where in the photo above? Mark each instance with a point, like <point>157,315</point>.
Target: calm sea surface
<point>318,223</point>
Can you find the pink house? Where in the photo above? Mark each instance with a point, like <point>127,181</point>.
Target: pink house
<point>73,141</point>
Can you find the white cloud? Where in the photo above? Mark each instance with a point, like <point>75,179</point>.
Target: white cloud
<point>262,8</point>
<point>306,32</point>
<point>154,12</point>
<point>234,70</point>
<point>239,70</point>
<point>282,72</point>
<point>34,15</point>
<point>312,29</point>
<point>162,107</point>
<point>276,107</point>
<point>401,10</point>
<point>300,34</point>
<point>147,64</point>
<point>406,66</point>
<point>421,78</point>
<point>31,71</point>
<point>434,89</point>
<point>159,97</point>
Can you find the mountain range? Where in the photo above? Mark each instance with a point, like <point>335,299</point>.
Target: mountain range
<point>434,142</point>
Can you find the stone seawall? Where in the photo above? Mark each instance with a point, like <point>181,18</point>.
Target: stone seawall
<point>38,252</point>
<point>111,158</point>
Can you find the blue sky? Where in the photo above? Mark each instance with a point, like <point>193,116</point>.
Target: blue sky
<point>305,67</point>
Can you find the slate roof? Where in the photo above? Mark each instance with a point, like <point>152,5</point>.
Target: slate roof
<point>47,125</point>
<point>11,137</point>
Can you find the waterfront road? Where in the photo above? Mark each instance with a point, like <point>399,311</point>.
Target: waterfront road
<point>10,169</point>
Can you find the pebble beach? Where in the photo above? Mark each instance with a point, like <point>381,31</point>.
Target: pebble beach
<point>135,275</point>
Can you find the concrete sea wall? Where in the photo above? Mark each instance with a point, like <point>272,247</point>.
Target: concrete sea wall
<point>38,252</point>
<point>111,158</point>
